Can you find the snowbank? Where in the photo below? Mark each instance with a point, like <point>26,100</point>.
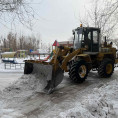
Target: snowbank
<point>24,87</point>
<point>101,103</point>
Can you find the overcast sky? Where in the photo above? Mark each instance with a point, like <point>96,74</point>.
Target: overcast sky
<point>54,19</point>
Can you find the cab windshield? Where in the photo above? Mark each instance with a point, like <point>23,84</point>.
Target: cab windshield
<point>78,37</point>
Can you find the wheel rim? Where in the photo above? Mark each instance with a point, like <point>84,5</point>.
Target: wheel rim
<point>82,71</point>
<point>109,68</point>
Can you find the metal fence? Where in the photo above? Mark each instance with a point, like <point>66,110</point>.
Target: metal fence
<point>14,66</point>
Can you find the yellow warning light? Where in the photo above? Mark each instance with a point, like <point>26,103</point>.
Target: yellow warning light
<point>80,25</point>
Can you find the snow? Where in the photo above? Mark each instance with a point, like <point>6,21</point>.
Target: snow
<point>7,78</point>
<point>4,82</point>
<point>23,88</point>
<point>25,84</point>
<point>9,113</point>
<point>101,103</point>
<point>8,52</point>
<point>23,97</point>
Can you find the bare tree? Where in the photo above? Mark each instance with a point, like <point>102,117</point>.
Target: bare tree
<point>9,38</point>
<point>103,14</point>
<point>4,43</point>
<point>10,5</point>
<point>115,41</point>
<point>14,43</point>
<point>18,10</point>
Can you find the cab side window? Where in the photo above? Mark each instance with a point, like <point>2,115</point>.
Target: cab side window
<point>89,35</point>
<point>95,37</point>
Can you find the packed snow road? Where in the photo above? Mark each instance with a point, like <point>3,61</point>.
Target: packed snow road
<point>7,78</point>
<point>25,99</point>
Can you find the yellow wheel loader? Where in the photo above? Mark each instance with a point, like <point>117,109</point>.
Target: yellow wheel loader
<point>87,53</point>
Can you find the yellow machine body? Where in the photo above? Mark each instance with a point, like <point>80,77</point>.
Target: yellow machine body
<point>78,62</point>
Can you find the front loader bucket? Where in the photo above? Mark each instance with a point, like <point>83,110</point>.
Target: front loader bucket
<point>50,78</point>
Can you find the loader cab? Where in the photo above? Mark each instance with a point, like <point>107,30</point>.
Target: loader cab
<point>88,37</point>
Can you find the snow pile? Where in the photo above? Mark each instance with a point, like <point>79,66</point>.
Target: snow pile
<point>19,92</point>
<point>24,87</point>
<point>101,103</point>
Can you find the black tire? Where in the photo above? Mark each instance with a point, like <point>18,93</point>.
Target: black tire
<point>28,68</point>
<point>106,68</point>
<point>76,70</point>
